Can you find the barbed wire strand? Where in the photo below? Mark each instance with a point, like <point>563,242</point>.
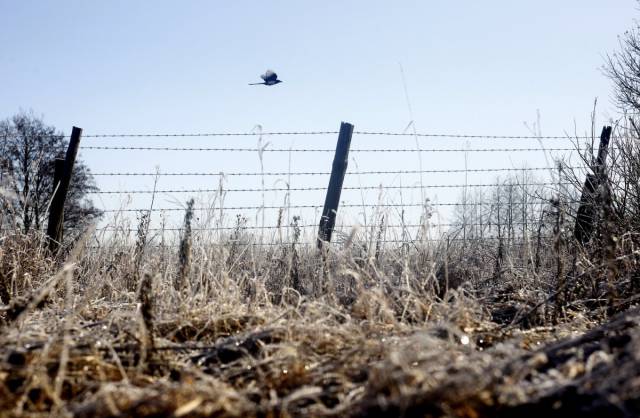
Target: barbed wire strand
<point>212,134</point>
<point>298,189</point>
<point>467,136</point>
<point>509,241</point>
<point>268,227</point>
<point>316,133</point>
<point>326,173</point>
<point>325,132</point>
<point>318,150</point>
<point>532,201</point>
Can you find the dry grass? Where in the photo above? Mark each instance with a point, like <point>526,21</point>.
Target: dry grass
<point>529,324</point>
<point>395,334</point>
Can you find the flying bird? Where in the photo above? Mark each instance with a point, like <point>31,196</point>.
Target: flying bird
<point>270,78</point>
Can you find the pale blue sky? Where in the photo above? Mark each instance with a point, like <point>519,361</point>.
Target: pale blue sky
<point>165,66</point>
<point>162,65</point>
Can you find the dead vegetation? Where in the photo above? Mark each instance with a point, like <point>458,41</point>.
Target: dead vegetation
<point>506,315</point>
<point>379,341</point>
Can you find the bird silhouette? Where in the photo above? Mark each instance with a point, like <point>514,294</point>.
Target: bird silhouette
<point>270,78</point>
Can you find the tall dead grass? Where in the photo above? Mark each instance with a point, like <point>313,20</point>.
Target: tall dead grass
<point>221,326</point>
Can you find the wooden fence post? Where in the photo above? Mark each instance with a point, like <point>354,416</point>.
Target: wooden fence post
<point>56,236</point>
<point>338,171</point>
<point>587,211</point>
<point>62,181</point>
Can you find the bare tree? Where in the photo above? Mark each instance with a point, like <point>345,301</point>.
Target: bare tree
<point>28,149</point>
<point>623,166</point>
<point>623,68</point>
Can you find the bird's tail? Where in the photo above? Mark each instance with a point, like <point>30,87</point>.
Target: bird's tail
<point>255,84</point>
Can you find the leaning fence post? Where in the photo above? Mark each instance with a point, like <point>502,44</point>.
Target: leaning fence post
<point>56,236</point>
<point>62,181</point>
<point>586,214</point>
<point>338,171</point>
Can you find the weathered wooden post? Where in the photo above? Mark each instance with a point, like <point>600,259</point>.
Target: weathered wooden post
<point>58,172</point>
<point>587,211</point>
<point>62,181</point>
<point>338,171</point>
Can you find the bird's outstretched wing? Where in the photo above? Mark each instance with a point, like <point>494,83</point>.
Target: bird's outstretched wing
<point>269,75</point>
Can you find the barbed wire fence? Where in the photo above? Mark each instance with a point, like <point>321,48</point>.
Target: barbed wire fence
<point>501,199</point>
